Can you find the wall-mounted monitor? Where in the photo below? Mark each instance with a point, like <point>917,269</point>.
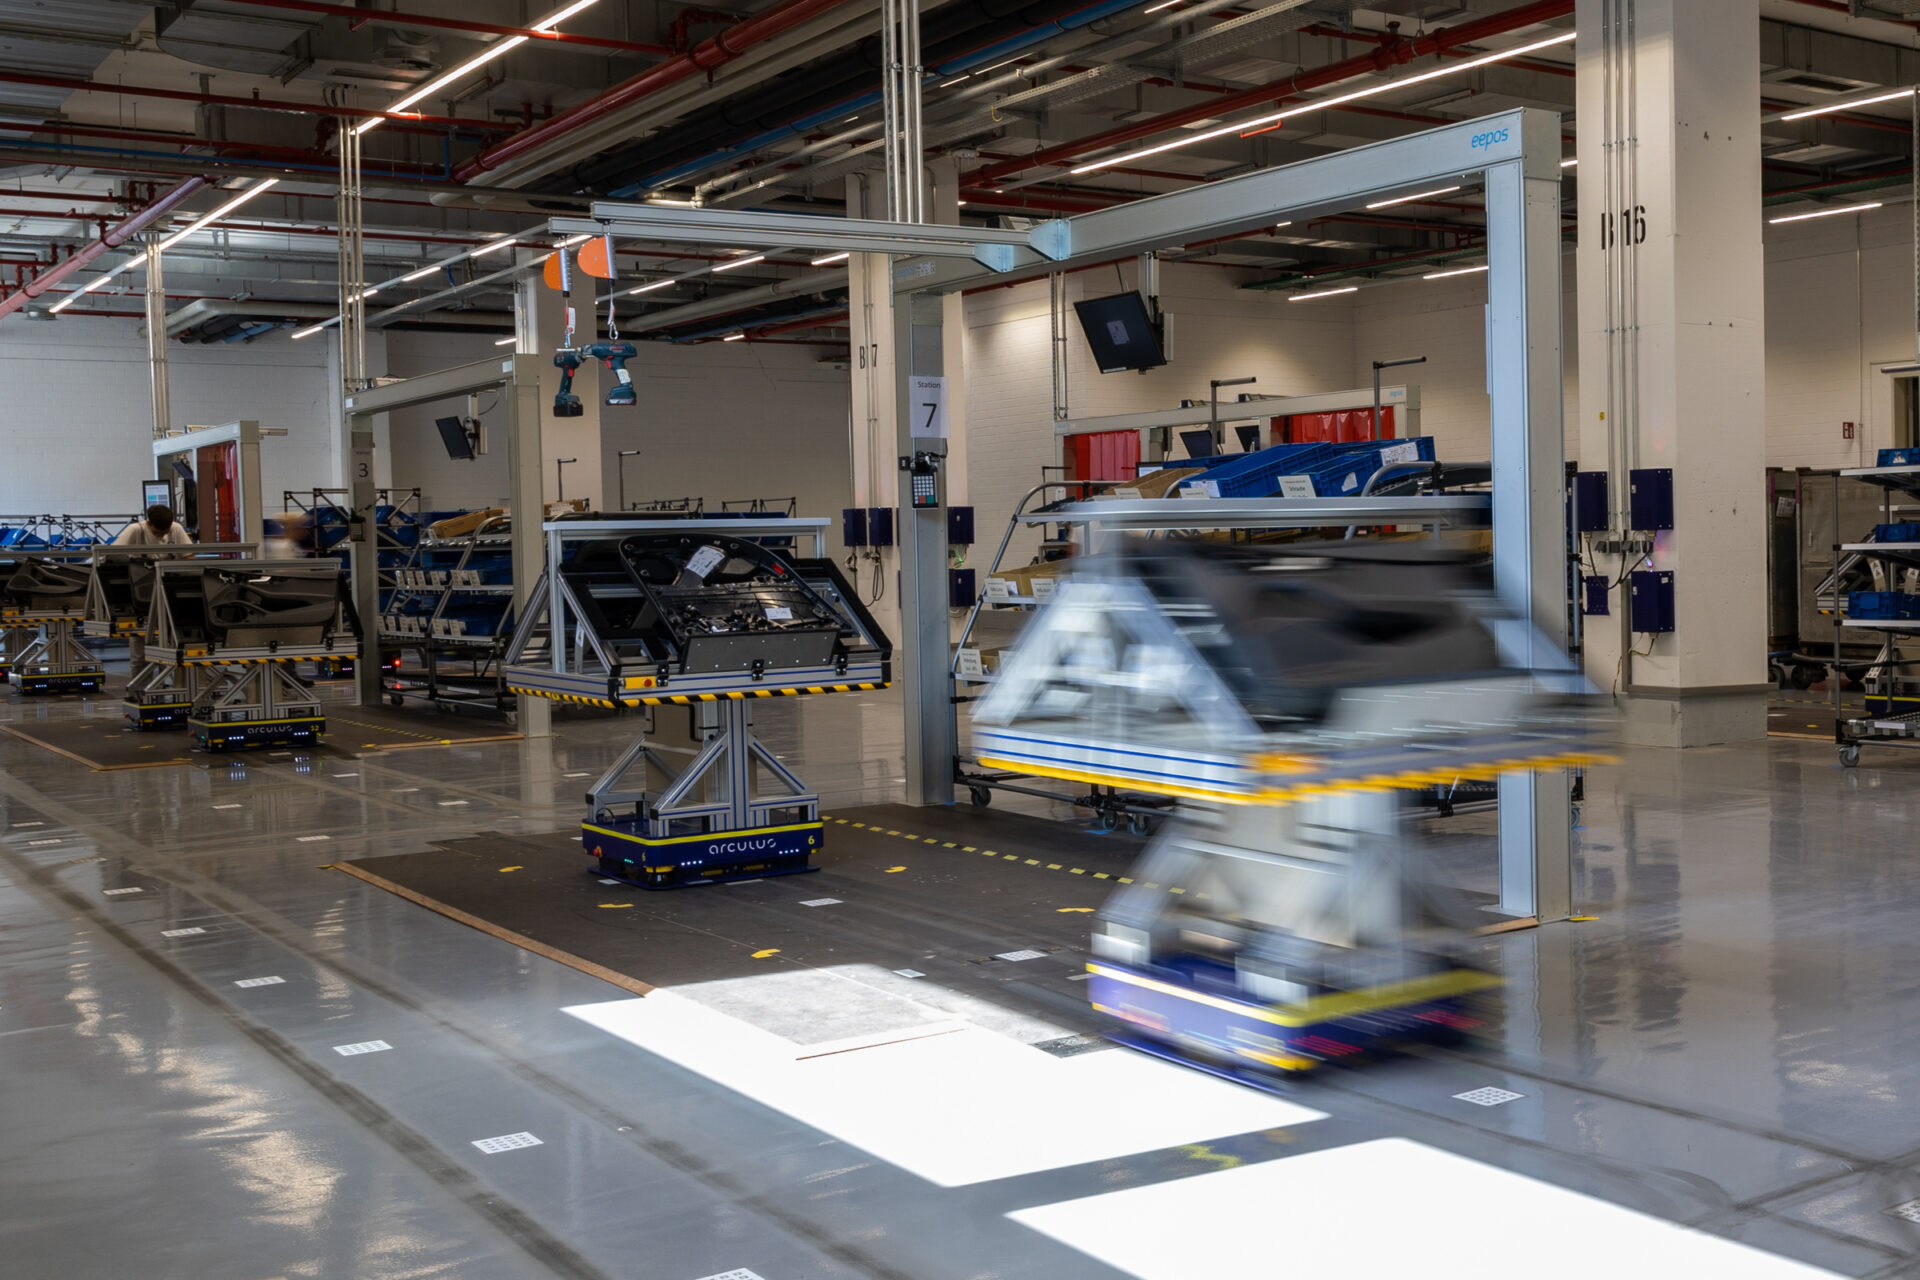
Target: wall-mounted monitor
<point>453,434</point>
<point>1121,332</point>
<point>1249,434</point>
<point>1199,443</point>
<point>155,493</point>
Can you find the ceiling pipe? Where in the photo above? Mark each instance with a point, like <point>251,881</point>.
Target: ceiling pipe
<point>394,18</point>
<point>282,105</point>
<point>205,309</point>
<point>702,58</point>
<point>1381,59</point>
<point>115,236</point>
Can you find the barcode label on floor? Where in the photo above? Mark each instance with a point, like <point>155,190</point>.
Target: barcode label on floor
<point>311,839</point>
<point>910,973</point>
<point>1487,1097</point>
<point>365,1046</point>
<point>1020,955</point>
<point>506,1142</point>
<point>609,882</point>
<point>181,933</point>
<point>259,982</point>
<point>116,891</point>
<point>29,824</point>
<point>1909,1211</point>
<point>35,844</point>
<point>448,804</point>
<point>821,902</point>
<point>344,775</point>
<point>226,806</point>
<point>576,775</point>
<point>738,1273</point>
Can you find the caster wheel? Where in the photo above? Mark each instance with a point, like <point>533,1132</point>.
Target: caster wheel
<point>1849,756</point>
<point>1109,820</point>
<point>395,700</point>
<point>980,796</point>
<point>1139,824</point>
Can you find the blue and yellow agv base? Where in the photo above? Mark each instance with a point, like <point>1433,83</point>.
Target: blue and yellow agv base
<point>1189,1011</point>
<point>157,715</point>
<point>65,682</point>
<point>295,731</point>
<point>625,849</point>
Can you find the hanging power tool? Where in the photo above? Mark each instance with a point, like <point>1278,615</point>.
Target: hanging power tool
<point>565,403</point>
<point>616,354</point>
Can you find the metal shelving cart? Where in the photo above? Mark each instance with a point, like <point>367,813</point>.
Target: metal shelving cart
<point>1896,563</point>
<point>1094,520</point>
<point>452,603</point>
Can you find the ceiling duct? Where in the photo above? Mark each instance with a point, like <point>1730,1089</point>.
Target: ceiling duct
<point>290,45</point>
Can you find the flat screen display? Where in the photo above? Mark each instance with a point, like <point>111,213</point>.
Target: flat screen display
<point>1120,333</point>
<point>1249,436</point>
<point>453,434</point>
<point>1199,443</point>
<point>155,493</point>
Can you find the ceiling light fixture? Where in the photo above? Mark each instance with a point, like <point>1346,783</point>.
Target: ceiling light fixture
<point>201,223</point>
<point>734,337</point>
<point>506,342</point>
<point>1421,195</point>
<point>1164,4</point>
<point>1826,213</point>
<point>1831,107</point>
<point>648,288</point>
<point>424,271</point>
<point>1387,86</point>
<point>1569,162</point>
<point>312,329</point>
<point>568,243</point>
<point>1447,275</point>
<point>1324,293</point>
<point>474,63</point>
<point>830,258</point>
<point>83,291</point>
<point>741,262</point>
<point>494,247</point>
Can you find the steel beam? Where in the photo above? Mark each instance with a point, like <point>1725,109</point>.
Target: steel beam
<point>995,249</point>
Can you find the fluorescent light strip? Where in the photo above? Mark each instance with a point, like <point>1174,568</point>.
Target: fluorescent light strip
<point>1322,104</point>
<point>506,342</point>
<point>1448,275</point>
<point>1825,213</point>
<point>1832,107</point>
<point>225,209</point>
<point>422,272</point>
<point>830,258</point>
<point>474,63</point>
<point>1569,162</point>
<point>1324,293</point>
<point>1423,195</point>
<point>312,329</point>
<point>734,337</point>
<point>649,288</point>
<point>569,242</point>
<point>741,262</point>
<point>85,289</point>
<point>495,247</point>
<point>1164,4</point>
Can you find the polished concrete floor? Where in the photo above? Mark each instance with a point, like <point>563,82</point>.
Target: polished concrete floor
<point>219,1060</point>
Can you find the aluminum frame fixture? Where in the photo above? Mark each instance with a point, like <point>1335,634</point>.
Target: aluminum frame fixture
<point>1406,400</point>
<point>573,665</point>
<point>157,693</point>
<point>99,619</point>
<point>517,378</point>
<point>993,249</point>
<point>245,433</point>
<point>1516,155</point>
<point>52,658</point>
<point>168,646</point>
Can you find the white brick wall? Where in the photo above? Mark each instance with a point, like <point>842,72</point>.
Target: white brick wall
<point>79,417</point>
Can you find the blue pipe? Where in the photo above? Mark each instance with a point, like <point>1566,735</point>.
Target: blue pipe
<point>250,332</point>
<point>968,62</point>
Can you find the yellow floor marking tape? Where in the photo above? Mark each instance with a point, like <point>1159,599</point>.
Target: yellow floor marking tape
<point>891,870</point>
<point>770,951</point>
<point>1053,866</point>
<point>1033,862</point>
<point>614,906</point>
<point>506,869</point>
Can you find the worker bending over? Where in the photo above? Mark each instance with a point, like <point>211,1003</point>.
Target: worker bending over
<point>159,528</point>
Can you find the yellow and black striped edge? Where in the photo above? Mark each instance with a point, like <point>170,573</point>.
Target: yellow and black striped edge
<point>320,720</point>
<point>628,837</point>
<point>1342,1004</point>
<point>684,699</point>
<point>242,662</point>
<point>1401,781</point>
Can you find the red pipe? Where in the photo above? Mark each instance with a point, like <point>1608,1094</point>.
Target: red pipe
<point>227,100</point>
<point>359,17</point>
<point>707,55</point>
<point>1379,60</point>
<point>115,236</point>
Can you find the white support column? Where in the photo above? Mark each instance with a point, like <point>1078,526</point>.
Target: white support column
<point>1672,349</point>
<point>871,402</point>
<point>541,324</point>
<point>341,450</point>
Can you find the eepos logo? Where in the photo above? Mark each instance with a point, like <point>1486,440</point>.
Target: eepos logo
<point>1485,141</point>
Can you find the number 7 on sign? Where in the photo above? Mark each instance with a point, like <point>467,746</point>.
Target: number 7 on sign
<point>930,408</point>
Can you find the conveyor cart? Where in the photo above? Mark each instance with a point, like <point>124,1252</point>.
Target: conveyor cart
<point>1284,695</point>
<point>696,615</point>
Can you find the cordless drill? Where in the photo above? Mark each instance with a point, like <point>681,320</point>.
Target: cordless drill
<point>616,354</point>
<point>566,404</point>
